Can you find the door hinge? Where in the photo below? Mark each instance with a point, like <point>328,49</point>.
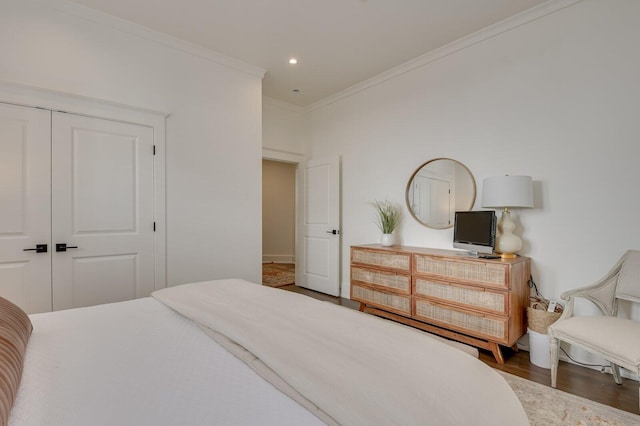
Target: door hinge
<point>154,227</point>
<point>154,150</point>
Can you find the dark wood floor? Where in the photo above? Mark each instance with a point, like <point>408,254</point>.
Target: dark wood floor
<point>574,379</point>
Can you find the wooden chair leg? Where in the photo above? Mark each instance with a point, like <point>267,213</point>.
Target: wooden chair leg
<point>615,370</point>
<point>553,347</point>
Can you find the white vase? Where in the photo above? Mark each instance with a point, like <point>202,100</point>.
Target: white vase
<point>387,240</point>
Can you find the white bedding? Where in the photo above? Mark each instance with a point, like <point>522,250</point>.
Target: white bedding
<point>356,368</point>
<point>140,363</point>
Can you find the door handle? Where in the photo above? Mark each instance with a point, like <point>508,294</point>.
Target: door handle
<point>333,232</point>
<point>63,247</point>
<point>40,248</point>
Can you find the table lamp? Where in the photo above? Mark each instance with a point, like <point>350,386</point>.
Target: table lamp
<point>507,192</point>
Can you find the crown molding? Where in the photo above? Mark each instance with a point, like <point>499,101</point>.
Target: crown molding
<point>137,30</point>
<point>494,30</point>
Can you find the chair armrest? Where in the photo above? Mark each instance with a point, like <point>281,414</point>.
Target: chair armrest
<point>567,312</point>
<point>601,294</point>
<point>578,292</point>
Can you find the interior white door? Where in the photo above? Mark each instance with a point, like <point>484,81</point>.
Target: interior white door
<point>102,180</point>
<point>320,248</point>
<point>25,207</point>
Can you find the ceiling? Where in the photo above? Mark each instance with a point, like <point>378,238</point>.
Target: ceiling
<point>338,43</point>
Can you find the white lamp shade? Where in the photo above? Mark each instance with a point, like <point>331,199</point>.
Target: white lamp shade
<point>507,191</point>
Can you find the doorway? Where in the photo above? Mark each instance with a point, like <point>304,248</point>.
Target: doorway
<point>278,223</point>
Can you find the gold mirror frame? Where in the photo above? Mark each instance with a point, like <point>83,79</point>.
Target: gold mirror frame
<point>447,181</point>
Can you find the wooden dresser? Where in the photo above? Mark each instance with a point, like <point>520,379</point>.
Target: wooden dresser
<point>481,302</point>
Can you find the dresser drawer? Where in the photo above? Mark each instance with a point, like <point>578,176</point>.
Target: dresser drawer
<point>490,274</point>
<point>390,302</point>
<point>388,280</point>
<point>399,261</point>
<point>494,328</point>
<point>492,301</point>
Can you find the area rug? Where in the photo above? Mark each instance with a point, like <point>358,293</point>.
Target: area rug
<point>278,274</point>
<point>547,406</point>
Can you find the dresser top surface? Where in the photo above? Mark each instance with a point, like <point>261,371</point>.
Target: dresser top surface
<point>438,252</point>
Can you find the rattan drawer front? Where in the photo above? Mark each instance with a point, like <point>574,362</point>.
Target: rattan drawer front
<point>494,301</point>
<point>473,324</point>
<point>389,280</point>
<point>398,303</point>
<point>485,273</point>
<point>400,261</point>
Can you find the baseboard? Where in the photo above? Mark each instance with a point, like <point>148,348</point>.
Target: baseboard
<point>278,258</point>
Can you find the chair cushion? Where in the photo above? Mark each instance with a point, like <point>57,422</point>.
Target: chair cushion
<point>617,339</point>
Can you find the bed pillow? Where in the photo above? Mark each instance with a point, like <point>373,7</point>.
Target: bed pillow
<point>15,329</point>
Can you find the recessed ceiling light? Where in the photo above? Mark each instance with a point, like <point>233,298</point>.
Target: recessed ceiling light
<point>293,61</point>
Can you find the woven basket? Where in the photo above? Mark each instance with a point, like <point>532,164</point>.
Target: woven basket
<point>539,319</point>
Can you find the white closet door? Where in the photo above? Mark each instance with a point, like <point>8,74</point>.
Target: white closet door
<point>102,180</point>
<point>25,207</point>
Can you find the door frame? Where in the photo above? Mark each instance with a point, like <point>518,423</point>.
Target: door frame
<point>27,96</point>
<point>297,160</point>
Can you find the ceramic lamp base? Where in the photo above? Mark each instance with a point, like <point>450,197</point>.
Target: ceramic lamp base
<point>507,243</point>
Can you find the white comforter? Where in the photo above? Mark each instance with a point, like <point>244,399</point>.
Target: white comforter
<point>140,363</point>
<point>356,368</point>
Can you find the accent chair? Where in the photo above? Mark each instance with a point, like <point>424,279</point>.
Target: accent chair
<point>615,339</point>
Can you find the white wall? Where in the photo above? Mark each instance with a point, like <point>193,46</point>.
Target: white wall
<point>284,129</point>
<point>213,134</point>
<point>556,98</point>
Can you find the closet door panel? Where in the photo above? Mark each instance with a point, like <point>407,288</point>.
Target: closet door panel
<point>102,175</point>
<point>103,183</point>
<point>25,206</point>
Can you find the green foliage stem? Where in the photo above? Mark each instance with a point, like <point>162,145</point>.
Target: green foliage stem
<point>388,216</point>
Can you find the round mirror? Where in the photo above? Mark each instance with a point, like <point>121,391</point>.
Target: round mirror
<point>438,189</point>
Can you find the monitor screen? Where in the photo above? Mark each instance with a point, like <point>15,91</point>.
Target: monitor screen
<point>475,230</point>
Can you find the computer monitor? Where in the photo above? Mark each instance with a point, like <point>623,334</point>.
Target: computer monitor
<point>475,231</point>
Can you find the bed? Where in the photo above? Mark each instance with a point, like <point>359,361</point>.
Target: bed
<point>230,352</point>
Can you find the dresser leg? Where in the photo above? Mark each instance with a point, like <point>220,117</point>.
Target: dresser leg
<point>362,306</point>
<point>497,353</point>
